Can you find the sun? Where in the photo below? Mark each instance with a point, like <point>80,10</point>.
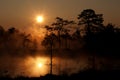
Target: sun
<point>39,19</point>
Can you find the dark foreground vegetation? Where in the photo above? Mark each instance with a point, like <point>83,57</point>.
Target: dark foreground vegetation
<point>82,75</point>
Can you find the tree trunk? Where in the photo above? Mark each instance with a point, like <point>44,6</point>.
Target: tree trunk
<point>51,55</point>
<point>59,39</point>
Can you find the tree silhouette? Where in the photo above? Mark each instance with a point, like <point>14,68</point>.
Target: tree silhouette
<point>2,37</point>
<point>9,39</point>
<point>48,42</point>
<point>76,34</point>
<point>90,19</point>
<point>108,41</point>
<point>49,29</point>
<point>66,36</point>
<point>59,26</point>
<point>92,22</point>
<point>66,33</point>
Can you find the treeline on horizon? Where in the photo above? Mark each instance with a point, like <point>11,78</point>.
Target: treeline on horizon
<point>14,42</point>
<point>89,34</point>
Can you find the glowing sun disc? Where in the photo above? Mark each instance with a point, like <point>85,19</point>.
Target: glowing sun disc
<point>39,19</point>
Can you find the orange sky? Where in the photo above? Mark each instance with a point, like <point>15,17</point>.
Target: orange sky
<point>22,13</point>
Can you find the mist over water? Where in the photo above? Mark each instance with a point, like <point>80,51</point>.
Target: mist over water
<point>26,65</point>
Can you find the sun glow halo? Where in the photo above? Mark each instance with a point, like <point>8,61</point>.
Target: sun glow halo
<point>37,65</point>
<point>39,19</point>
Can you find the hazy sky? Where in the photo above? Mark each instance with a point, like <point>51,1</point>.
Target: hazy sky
<point>21,13</point>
